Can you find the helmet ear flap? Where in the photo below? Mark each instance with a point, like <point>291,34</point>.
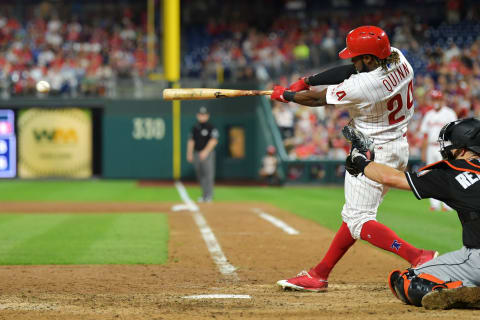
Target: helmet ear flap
<point>445,150</point>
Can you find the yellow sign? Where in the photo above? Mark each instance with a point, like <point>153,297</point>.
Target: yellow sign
<point>55,143</point>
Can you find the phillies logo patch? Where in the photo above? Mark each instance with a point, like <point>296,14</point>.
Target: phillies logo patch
<point>396,245</point>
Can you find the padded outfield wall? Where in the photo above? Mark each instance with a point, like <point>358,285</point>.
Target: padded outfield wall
<point>133,138</point>
<point>122,139</point>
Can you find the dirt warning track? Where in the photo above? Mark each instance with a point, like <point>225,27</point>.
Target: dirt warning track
<point>261,252</point>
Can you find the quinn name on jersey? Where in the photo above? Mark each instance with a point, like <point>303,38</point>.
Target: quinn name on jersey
<point>381,102</point>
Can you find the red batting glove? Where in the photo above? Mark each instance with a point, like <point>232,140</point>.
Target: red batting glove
<point>277,93</point>
<point>299,85</point>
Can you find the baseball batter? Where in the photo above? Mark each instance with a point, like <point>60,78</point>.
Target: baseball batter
<point>432,123</point>
<point>455,180</point>
<point>378,92</point>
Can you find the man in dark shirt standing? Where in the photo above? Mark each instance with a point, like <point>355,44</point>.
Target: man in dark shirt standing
<point>200,151</point>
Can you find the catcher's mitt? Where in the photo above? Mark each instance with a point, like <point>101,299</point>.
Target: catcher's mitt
<point>361,153</point>
<point>363,143</point>
<point>356,163</point>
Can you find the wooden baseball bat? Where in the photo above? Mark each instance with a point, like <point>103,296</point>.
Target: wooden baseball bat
<point>204,93</point>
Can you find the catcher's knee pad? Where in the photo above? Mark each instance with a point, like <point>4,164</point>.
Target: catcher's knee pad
<point>410,288</point>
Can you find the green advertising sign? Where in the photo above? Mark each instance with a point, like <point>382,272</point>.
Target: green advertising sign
<point>137,140</point>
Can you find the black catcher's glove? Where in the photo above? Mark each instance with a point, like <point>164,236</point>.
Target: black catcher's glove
<point>361,153</point>
<point>356,162</point>
<point>364,144</point>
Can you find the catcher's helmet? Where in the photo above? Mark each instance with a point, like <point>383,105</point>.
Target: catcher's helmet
<point>436,94</point>
<point>366,40</point>
<point>460,134</point>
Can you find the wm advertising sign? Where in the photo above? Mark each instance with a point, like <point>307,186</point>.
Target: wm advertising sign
<point>57,135</point>
<point>55,143</point>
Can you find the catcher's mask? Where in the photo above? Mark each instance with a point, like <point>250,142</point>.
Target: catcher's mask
<point>459,134</point>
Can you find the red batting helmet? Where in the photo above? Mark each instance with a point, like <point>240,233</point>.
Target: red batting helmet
<point>366,40</point>
<point>436,94</point>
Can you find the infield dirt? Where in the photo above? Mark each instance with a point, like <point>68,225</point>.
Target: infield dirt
<point>262,253</point>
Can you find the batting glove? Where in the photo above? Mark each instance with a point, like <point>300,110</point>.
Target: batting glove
<point>356,162</point>
<point>299,85</point>
<point>277,94</point>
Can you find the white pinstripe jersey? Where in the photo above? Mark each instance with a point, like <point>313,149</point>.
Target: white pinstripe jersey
<point>434,121</point>
<point>380,102</point>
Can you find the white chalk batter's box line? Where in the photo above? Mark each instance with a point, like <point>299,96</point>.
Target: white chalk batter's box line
<point>276,222</point>
<point>208,236</point>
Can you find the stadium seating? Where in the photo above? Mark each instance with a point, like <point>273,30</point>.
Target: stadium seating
<point>444,56</point>
<point>90,55</point>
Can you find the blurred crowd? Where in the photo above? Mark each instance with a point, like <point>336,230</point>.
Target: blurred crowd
<point>440,39</point>
<point>310,133</point>
<point>81,52</point>
<point>76,54</point>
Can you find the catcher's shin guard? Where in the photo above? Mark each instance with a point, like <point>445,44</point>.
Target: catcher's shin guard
<point>410,288</point>
<point>392,280</point>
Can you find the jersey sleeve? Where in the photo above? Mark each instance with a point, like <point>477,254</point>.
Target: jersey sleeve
<point>424,125</point>
<point>345,94</point>
<point>429,184</point>
<point>453,116</point>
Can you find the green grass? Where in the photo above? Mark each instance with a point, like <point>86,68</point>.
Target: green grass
<point>35,239</point>
<point>83,190</point>
<point>400,210</point>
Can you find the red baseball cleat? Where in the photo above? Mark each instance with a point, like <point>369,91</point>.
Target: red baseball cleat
<point>304,282</point>
<point>424,257</point>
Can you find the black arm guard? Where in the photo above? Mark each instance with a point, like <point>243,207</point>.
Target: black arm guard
<point>335,75</point>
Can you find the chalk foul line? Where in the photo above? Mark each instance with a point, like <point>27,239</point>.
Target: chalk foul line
<point>184,195</point>
<point>214,247</point>
<point>208,236</point>
<point>276,222</point>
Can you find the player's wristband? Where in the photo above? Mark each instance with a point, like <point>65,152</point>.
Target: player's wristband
<point>361,163</point>
<point>289,95</point>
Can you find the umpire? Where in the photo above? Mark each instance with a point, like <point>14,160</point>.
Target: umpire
<point>456,181</point>
<point>200,151</point>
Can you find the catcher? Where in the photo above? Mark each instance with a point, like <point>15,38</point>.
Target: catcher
<point>453,279</point>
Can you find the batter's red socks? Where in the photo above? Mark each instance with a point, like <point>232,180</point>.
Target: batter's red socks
<point>341,243</point>
<point>383,237</point>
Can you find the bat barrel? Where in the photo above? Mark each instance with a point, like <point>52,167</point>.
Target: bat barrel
<point>209,93</point>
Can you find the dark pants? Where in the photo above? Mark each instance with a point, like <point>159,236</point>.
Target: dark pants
<point>205,170</point>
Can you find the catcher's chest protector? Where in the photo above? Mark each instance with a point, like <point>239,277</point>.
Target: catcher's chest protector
<point>410,288</point>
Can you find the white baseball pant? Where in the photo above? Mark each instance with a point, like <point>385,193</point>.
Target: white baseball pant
<point>362,195</point>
